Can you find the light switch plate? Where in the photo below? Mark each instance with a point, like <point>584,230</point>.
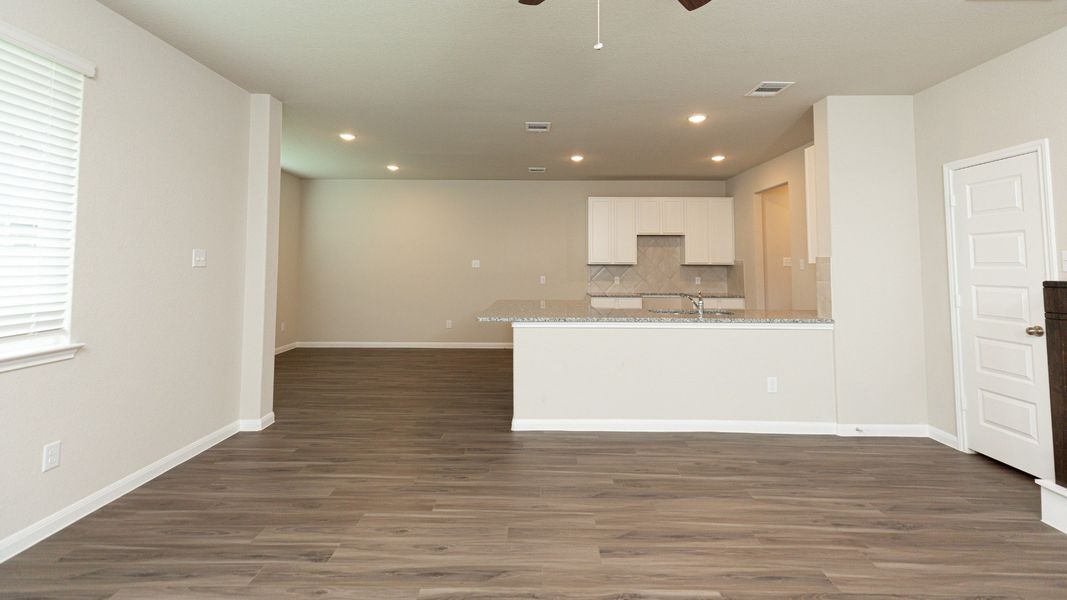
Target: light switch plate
<point>772,385</point>
<point>199,258</point>
<point>476,264</point>
<point>448,324</point>
<point>543,280</point>
<point>787,261</point>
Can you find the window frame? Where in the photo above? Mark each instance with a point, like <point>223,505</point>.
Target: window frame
<point>20,352</point>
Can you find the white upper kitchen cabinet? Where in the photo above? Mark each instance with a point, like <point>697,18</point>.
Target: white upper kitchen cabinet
<point>709,231</point>
<point>613,231</point>
<point>660,216</point>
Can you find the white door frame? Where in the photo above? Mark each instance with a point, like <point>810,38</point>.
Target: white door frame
<point>1041,147</point>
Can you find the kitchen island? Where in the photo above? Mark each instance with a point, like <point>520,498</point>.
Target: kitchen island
<point>579,368</point>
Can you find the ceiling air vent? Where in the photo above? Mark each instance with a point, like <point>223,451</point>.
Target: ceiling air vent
<point>769,88</point>
<point>538,126</point>
<point>536,169</point>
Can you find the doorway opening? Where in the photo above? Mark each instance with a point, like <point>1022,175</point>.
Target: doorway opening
<point>777,248</point>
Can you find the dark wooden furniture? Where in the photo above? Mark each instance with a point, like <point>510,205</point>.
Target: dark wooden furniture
<point>1056,327</point>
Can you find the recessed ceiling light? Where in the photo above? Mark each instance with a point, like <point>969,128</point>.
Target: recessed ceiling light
<point>696,119</point>
<point>718,158</point>
<point>348,137</point>
<point>393,168</point>
<point>577,158</point>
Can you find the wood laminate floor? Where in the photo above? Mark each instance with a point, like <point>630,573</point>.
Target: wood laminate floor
<point>392,475</point>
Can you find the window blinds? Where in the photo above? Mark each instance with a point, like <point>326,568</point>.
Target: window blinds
<point>40,123</point>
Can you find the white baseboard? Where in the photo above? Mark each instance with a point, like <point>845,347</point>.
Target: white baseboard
<point>1053,504</point>
<point>256,424</point>
<point>674,425</point>
<point>286,348</point>
<point>882,430</point>
<point>427,345</point>
<point>944,437</point>
<point>27,537</point>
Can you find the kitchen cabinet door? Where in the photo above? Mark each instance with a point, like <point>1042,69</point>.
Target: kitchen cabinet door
<point>721,231</point>
<point>649,221</point>
<point>672,216</point>
<point>601,230</point>
<point>696,245</point>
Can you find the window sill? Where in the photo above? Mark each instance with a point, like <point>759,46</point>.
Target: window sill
<point>32,356</point>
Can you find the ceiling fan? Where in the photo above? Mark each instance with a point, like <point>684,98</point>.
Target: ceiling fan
<point>688,4</point>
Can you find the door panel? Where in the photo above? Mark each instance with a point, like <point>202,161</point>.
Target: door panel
<point>1000,265</point>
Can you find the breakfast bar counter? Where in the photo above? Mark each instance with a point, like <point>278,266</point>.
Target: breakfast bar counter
<point>579,368</point>
<point>581,311</point>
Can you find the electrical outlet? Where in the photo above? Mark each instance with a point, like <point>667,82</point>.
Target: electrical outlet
<point>543,280</point>
<point>787,261</point>
<point>617,281</point>
<point>476,264</point>
<point>696,280</point>
<point>50,456</point>
<point>199,258</point>
<point>283,326</point>
<point>772,385</point>
<point>448,324</point>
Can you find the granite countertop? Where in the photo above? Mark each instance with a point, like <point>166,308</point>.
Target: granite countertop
<point>579,311</point>
<point>659,294</point>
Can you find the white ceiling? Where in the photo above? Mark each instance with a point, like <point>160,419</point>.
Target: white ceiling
<point>442,87</point>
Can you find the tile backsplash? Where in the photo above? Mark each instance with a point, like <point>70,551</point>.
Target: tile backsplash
<point>659,270</point>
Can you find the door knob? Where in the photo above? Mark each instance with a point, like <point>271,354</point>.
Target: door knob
<point>1035,330</point>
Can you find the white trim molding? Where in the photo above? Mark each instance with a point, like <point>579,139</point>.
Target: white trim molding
<point>674,425</point>
<point>411,345</point>
<point>1053,504</point>
<point>256,424</point>
<point>882,430</point>
<point>41,47</point>
<point>41,355</point>
<point>24,539</point>
<point>286,348</point>
<point>944,437</point>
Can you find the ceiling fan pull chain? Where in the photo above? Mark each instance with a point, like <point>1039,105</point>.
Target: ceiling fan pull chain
<point>598,45</point>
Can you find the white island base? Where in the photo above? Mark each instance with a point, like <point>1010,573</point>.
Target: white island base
<point>715,377</point>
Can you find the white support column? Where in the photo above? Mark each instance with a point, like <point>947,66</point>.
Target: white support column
<point>1053,504</point>
<point>261,263</point>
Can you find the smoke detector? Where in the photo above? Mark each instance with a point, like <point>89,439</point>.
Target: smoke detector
<point>769,88</point>
<point>538,126</point>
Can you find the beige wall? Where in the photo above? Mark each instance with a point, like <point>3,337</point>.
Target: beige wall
<point>876,283</point>
<point>163,170</point>
<point>289,261</point>
<point>390,261</point>
<point>745,188</point>
<point>1016,98</point>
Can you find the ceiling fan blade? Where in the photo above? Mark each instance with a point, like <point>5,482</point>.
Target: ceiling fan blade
<point>531,2</point>
<point>690,4</point>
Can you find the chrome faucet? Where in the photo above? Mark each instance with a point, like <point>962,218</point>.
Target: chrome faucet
<point>698,302</point>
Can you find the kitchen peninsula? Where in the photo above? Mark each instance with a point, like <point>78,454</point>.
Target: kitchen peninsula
<point>581,368</point>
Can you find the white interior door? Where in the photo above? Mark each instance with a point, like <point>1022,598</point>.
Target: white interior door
<point>1001,261</point>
